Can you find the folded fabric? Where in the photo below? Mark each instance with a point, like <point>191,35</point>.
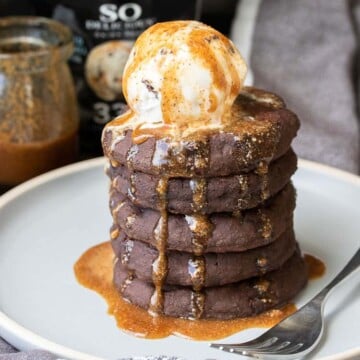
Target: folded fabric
<point>7,352</point>
<point>303,51</point>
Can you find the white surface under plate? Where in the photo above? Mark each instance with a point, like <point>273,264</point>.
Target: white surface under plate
<point>48,222</point>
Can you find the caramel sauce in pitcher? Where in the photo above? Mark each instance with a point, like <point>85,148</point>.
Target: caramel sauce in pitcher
<point>38,108</point>
<point>20,162</point>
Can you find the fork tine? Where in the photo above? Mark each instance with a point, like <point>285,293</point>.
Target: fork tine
<point>263,348</point>
<point>247,353</point>
<point>291,349</point>
<point>274,347</point>
<point>224,347</point>
<point>253,344</point>
<point>281,350</point>
<point>233,350</point>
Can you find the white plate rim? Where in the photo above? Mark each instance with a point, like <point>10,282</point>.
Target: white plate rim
<point>13,329</point>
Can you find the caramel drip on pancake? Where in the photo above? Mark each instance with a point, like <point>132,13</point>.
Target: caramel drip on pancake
<point>262,287</point>
<point>161,156</point>
<point>131,189</point>
<point>267,227</point>
<point>129,279</point>
<point>196,268</point>
<point>125,257</point>
<point>263,170</point>
<point>201,228</point>
<point>132,152</point>
<point>197,304</point>
<point>114,233</point>
<point>198,188</point>
<point>160,265</point>
<point>201,157</point>
<point>116,209</point>
<point>172,157</point>
<point>244,192</point>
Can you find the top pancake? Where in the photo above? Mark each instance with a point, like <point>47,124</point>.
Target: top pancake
<point>262,129</point>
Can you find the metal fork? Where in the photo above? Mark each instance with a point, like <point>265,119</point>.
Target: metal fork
<point>298,334</point>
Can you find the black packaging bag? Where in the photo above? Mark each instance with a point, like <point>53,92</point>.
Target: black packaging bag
<point>104,31</point>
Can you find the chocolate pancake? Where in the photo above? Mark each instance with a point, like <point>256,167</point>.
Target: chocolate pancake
<point>247,230</point>
<point>261,129</point>
<point>242,299</point>
<point>221,194</point>
<point>211,269</point>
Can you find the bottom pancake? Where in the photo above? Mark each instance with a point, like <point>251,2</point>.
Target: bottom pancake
<point>242,299</point>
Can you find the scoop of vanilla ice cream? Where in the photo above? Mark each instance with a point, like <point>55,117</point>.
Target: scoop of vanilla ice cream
<point>182,74</point>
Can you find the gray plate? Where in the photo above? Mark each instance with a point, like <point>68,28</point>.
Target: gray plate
<point>48,222</point>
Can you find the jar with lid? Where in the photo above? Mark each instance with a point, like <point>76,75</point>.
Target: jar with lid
<point>38,109</point>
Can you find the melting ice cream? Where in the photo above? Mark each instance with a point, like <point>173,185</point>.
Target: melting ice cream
<point>180,77</point>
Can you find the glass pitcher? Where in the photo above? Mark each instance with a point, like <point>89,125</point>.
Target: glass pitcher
<point>38,109</point>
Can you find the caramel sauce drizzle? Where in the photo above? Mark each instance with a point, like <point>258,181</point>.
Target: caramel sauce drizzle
<point>132,189</point>
<point>169,159</point>
<point>115,211</point>
<point>114,233</point>
<point>133,150</point>
<point>267,227</point>
<point>197,304</point>
<point>128,249</point>
<point>263,170</point>
<point>129,279</point>
<point>262,263</point>
<point>244,194</point>
<point>201,228</point>
<point>196,268</point>
<point>198,188</point>
<point>160,265</point>
<point>160,156</point>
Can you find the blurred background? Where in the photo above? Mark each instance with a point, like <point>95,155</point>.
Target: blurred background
<point>306,51</point>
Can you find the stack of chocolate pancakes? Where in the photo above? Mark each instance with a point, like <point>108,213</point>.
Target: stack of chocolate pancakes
<point>204,228</point>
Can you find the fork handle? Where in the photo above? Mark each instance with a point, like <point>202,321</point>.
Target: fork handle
<point>349,268</point>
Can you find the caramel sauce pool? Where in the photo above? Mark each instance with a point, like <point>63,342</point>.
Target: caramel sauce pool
<point>94,270</point>
<point>316,268</point>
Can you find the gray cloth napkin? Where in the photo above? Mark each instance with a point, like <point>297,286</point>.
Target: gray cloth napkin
<point>306,51</point>
<point>7,352</point>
